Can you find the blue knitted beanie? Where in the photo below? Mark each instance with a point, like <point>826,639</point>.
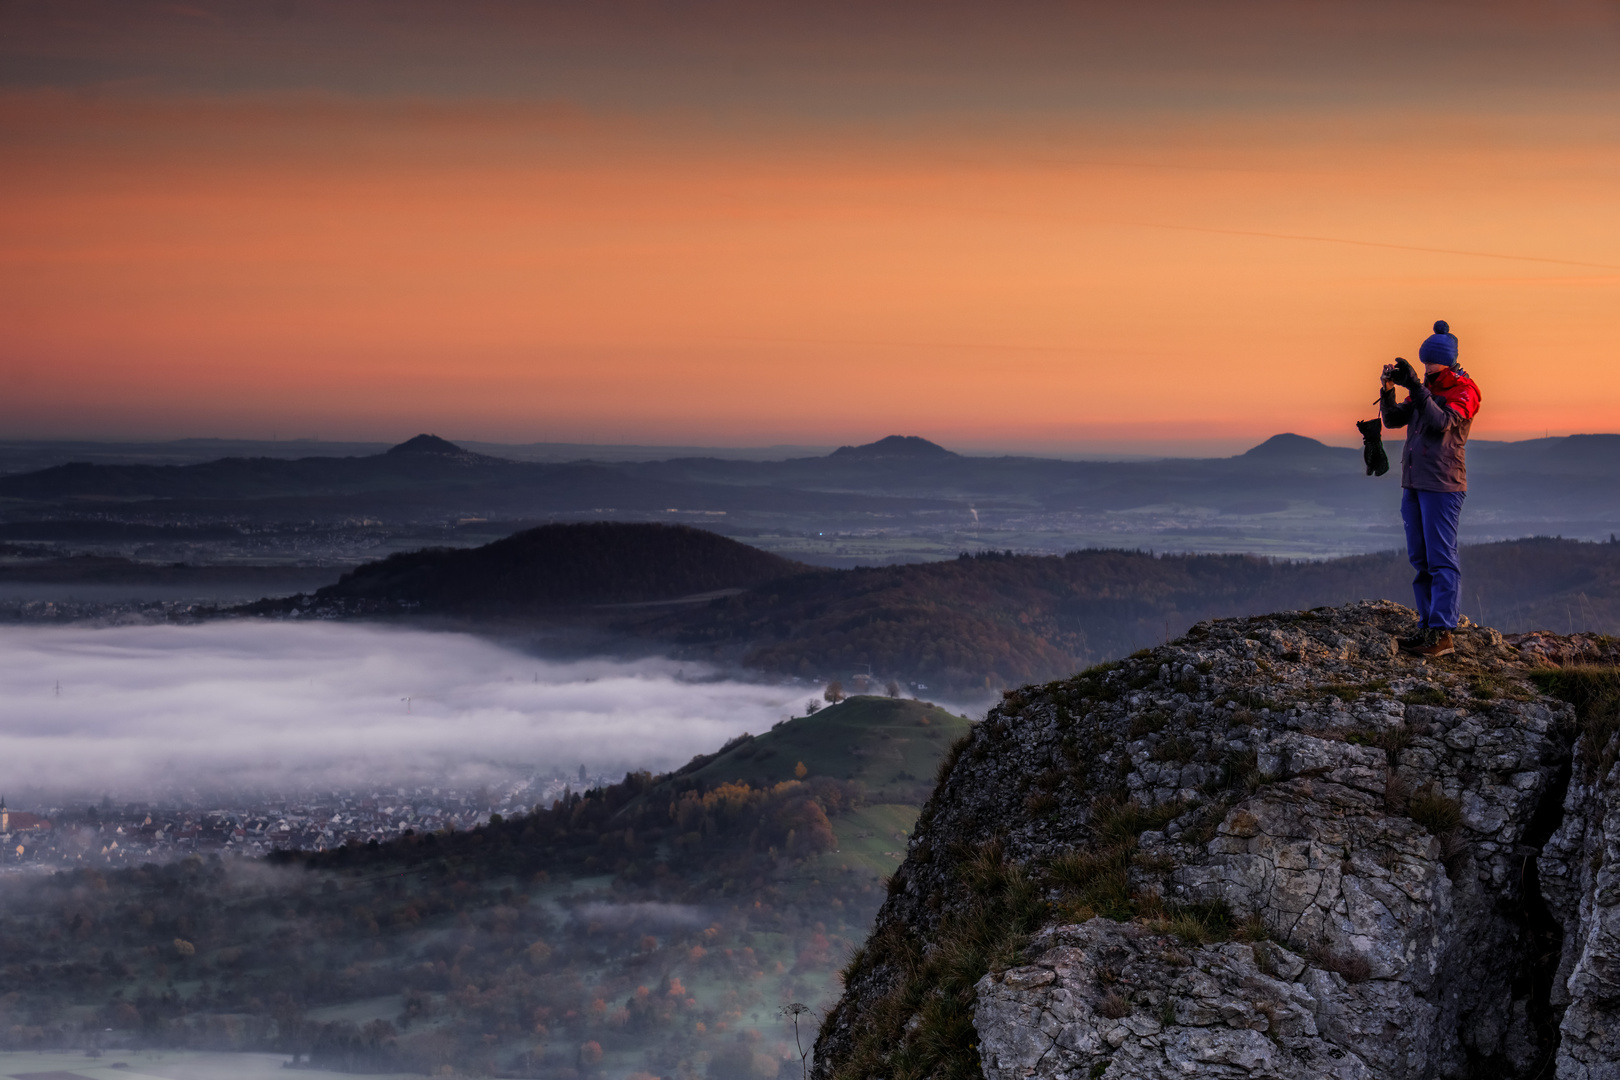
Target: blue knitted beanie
<point>1441,346</point>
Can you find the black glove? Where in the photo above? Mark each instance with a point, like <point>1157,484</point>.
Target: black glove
<point>1405,375</point>
<point>1372,446</point>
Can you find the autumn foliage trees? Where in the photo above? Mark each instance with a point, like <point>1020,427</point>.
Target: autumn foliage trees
<point>638,829</point>
<point>486,975</point>
<point>992,620</point>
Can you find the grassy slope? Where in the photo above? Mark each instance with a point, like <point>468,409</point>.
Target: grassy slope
<point>892,746</point>
<point>873,838</point>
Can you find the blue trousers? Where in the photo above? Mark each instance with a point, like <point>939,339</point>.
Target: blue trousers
<point>1431,544</point>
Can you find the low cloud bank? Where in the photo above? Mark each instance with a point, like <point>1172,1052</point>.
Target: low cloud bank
<point>647,915</point>
<point>135,711</point>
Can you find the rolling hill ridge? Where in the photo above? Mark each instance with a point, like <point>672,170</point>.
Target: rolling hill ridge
<point>974,624</point>
<point>1569,485</point>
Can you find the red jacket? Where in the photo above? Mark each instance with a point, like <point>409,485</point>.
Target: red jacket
<point>1436,416</point>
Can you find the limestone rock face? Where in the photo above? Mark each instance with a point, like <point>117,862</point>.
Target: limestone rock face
<point>1235,1009</point>
<point>1580,873</point>
<point>1360,833</point>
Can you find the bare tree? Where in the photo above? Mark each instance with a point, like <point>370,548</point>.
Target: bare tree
<point>795,1010</point>
<point>812,707</point>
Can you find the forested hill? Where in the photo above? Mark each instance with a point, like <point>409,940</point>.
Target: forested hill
<point>980,622</point>
<point>990,621</point>
<point>560,566</point>
<point>653,927</point>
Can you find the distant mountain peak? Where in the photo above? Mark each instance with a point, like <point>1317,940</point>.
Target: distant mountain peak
<point>1289,445</point>
<point>895,446</point>
<point>428,444</point>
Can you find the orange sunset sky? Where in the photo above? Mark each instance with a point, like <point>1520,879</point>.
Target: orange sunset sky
<point>1040,227</point>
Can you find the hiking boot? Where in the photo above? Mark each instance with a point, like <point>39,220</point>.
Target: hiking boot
<point>1440,644</point>
<point>1416,642</point>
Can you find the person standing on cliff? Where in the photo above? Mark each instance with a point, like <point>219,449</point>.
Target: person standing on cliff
<point>1437,413</point>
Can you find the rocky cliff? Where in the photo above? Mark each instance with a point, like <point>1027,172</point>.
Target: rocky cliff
<point>1273,848</point>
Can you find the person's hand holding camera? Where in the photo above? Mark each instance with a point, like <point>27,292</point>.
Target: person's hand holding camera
<point>1401,373</point>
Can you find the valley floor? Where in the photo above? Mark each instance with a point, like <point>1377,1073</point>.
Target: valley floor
<point>159,1065</point>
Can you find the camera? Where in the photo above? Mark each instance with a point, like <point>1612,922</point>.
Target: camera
<point>1402,373</point>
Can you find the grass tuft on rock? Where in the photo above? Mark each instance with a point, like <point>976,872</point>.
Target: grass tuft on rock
<point>953,754</point>
<point>1114,1006</point>
<point>1435,811</point>
<point>1594,690</point>
<point>1354,967</point>
<point>1427,695</point>
<point>924,1026</point>
<point>1391,740</point>
<point>1195,924</point>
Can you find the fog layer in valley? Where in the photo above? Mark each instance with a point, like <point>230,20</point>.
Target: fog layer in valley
<point>135,711</point>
